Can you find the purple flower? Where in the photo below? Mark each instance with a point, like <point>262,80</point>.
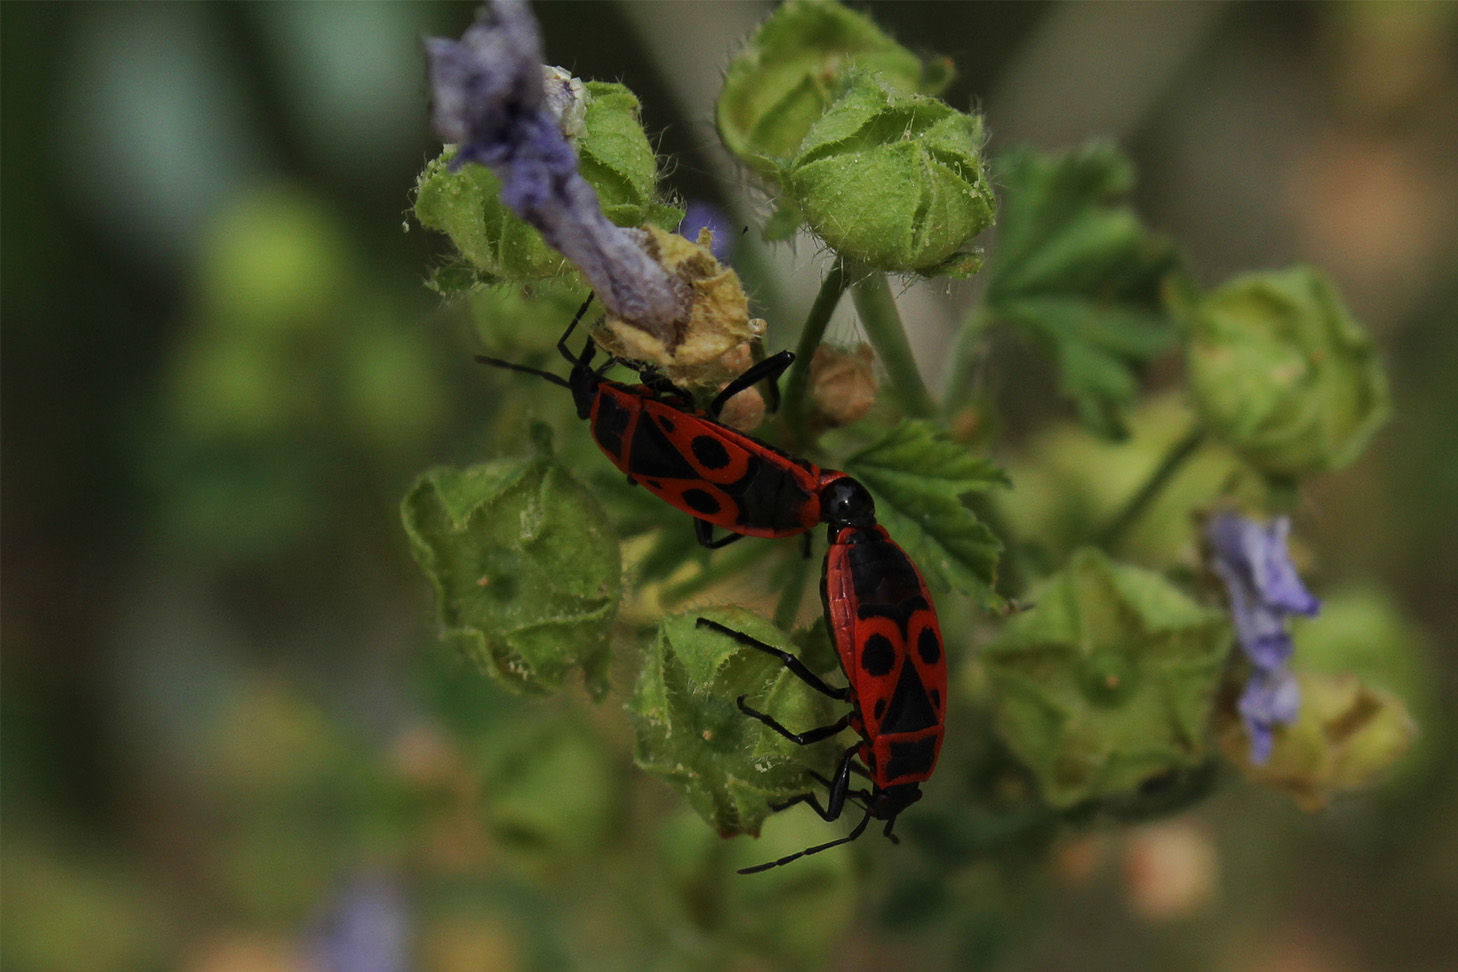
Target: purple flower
<point>1264,589</point>
<point>364,928</point>
<point>488,97</point>
<point>1271,698</point>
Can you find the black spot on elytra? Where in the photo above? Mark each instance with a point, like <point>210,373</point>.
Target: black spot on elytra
<point>912,759</point>
<point>710,452</point>
<point>700,502</point>
<point>929,646</point>
<point>878,656</point>
<point>667,423</point>
<point>911,708</point>
<point>880,709</point>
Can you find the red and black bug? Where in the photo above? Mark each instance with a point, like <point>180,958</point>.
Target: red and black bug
<point>720,476</point>
<point>884,625</point>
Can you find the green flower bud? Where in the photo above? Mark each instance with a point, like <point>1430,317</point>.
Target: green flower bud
<point>1281,371</point>
<point>692,735</point>
<point>526,568</point>
<point>780,82</point>
<point>1348,734</point>
<point>1108,681</point>
<point>895,181</point>
<point>614,156</point>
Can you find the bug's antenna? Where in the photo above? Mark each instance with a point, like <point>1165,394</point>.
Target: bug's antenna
<point>513,366</point>
<point>859,829</point>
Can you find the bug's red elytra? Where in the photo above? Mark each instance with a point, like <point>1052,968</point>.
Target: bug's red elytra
<point>718,475</point>
<point>884,625</point>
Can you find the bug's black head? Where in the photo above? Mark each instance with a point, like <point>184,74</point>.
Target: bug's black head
<point>846,503</point>
<point>887,803</point>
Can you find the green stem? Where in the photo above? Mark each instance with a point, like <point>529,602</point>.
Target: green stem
<point>798,385</point>
<point>877,309</point>
<point>793,593</point>
<point>1163,473</point>
<point>735,560</point>
<point>964,356</point>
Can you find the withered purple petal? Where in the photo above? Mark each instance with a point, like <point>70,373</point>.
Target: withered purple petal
<point>1264,589</point>
<point>1271,698</point>
<point>1275,576</point>
<point>488,96</point>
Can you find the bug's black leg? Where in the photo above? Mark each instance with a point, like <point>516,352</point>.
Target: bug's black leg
<point>794,664</point>
<point>889,835</point>
<point>704,531</point>
<point>770,368</point>
<point>562,341</point>
<point>862,796</point>
<point>800,738</point>
<point>835,801</point>
<point>805,545</point>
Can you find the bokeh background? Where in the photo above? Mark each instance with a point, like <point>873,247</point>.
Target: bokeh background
<point>229,742</point>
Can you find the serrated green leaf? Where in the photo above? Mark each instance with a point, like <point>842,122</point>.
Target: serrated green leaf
<point>1077,271</point>
<point>918,478</point>
<point>692,735</point>
<point>525,566</point>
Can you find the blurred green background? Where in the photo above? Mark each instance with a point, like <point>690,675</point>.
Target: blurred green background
<point>229,742</point>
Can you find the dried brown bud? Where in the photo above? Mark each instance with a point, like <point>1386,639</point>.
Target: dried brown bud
<point>744,411</point>
<point>842,386</point>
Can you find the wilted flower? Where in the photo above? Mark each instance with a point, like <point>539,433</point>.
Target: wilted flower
<point>1254,562</point>
<point>489,96</point>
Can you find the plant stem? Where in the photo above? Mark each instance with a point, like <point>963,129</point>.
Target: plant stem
<point>877,309</point>
<point>1163,473</point>
<point>964,355</point>
<point>798,384</point>
<point>793,593</point>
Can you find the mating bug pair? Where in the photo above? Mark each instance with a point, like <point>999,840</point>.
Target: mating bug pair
<point>877,606</point>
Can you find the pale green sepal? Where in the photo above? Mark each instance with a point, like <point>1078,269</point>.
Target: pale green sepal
<point>1108,680</point>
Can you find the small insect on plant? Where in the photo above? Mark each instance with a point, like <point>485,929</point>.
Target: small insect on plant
<point>718,475</point>
<point>884,625</point>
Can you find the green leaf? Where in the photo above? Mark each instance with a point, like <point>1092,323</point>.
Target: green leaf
<point>693,736</point>
<point>919,478</point>
<point>1077,272</point>
<point>526,568</point>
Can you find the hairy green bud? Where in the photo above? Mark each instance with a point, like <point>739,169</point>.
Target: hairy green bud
<point>895,181</point>
<point>1280,370</point>
<point>526,568</point>
<point>1108,681</point>
<point>614,156</point>
<point>786,74</point>
<point>692,735</point>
